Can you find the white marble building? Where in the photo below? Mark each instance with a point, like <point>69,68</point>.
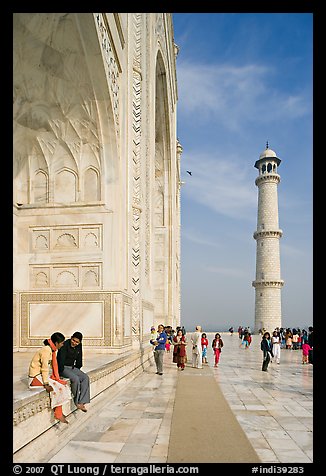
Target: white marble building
<point>96,178</point>
<point>268,282</point>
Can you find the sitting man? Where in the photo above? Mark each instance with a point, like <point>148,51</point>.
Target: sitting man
<point>70,361</point>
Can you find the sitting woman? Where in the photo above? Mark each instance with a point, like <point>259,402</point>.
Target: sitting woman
<point>39,370</point>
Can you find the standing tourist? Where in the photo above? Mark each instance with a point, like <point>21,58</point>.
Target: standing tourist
<point>266,347</point>
<point>39,370</point>
<point>276,343</point>
<point>217,345</point>
<point>311,343</point>
<point>159,348</point>
<point>168,331</point>
<point>70,361</point>
<point>179,350</point>
<point>305,352</point>
<point>288,338</point>
<point>196,348</point>
<point>295,339</point>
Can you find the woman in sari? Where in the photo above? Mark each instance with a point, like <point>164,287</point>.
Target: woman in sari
<point>179,350</point>
<point>39,369</point>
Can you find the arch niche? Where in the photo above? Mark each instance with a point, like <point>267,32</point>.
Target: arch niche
<point>64,130</point>
<point>162,198</point>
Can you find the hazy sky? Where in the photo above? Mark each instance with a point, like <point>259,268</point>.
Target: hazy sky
<point>243,79</point>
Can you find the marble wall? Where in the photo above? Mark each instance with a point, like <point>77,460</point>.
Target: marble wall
<point>96,177</point>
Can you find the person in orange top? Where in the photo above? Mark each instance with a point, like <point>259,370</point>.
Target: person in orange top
<point>39,370</point>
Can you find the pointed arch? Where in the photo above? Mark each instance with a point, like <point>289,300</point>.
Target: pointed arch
<point>162,195</point>
<point>91,185</point>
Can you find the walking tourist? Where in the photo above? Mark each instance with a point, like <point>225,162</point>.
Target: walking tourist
<point>39,370</point>
<point>276,343</point>
<point>305,352</point>
<point>217,345</point>
<point>70,361</point>
<point>159,348</point>
<point>266,347</point>
<point>204,345</point>
<point>246,340</point>
<point>196,348</point>
<point>179,350</point>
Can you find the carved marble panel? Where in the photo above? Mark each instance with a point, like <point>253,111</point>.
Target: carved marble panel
<point>40,239</point>
<point>86,317</point>
<point>66,238</point>
<point>111,62</point>
<point>45,313</point>
<point>66,276</point>
<point>90,237</point>
<point>91,276</point>
<point>40,276</point>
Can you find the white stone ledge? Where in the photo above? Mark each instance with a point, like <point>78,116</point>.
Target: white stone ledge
<point>33,416</point>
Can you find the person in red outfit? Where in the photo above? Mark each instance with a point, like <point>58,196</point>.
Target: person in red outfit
<point>204,345</point>
<point>179,350</point>
<point>217,345</point>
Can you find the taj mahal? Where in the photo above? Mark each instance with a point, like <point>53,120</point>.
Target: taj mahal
<point>96,177</point>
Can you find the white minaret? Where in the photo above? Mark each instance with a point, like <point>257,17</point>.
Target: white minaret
<point>268,282</point>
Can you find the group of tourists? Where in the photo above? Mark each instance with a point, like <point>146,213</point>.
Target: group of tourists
<point>198,341</point>
<point>283,338</point>
<point>64,358</point>
<point>290,338</point>
<point>270,345</point>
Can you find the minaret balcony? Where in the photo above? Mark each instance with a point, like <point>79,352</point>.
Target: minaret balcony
<point>268,178</point>
<point>275,283</point>
<point>268,234</point>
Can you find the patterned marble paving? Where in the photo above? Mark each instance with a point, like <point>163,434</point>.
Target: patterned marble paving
<point>274,408</point>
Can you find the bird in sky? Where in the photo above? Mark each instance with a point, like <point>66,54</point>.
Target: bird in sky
<point>188,172</point>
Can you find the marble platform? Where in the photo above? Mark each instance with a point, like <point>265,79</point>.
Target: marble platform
<point>33,416</point>
<point>131,422</point>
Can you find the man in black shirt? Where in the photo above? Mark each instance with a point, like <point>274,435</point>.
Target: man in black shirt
<point>70,361</point>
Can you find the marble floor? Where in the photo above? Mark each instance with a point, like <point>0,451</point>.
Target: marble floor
<point>132,424</point>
